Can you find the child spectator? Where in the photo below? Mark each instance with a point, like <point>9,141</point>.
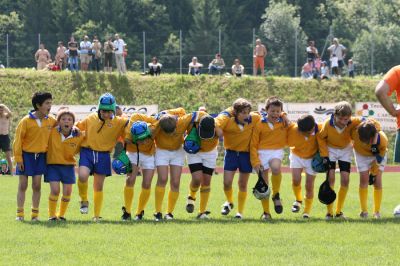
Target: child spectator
<point>334,65</point>
<point>324,70</point>
<point>307,70</point>
<point>350,67</point>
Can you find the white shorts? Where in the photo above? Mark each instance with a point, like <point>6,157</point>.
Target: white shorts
<point>267,155</point>
<point>297,162</point>
<point>166,157</point>
<point>208,158</point>
<point>344,154</point>
<point>364,162</point>
<point>145,161</point>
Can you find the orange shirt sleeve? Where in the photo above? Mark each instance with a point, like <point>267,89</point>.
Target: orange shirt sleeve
<point>392,78</point>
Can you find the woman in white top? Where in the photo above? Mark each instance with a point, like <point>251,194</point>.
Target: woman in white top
<point>237,68</point>
<point>195,67</point>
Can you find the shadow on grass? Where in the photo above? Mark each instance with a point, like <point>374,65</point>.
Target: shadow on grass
<point>227,221</point>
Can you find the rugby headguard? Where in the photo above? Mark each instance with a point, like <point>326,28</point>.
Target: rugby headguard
<point>140,131</point>
<point>107,102</point>
<point>326,194</point>
<point>122,165</point>
<point>261,190</point>
<point>318,165</point>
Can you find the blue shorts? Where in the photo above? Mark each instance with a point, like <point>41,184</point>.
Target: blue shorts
<point>234,160</point>
<point>34,164</point>
<point>60,173</point>
<point>98,162</point>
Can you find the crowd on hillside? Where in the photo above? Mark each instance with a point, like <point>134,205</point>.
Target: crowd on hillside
<point>90,55</point>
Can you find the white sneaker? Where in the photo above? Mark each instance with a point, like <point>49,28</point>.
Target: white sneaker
<point>19,218</point>
<point>84,209</point>
<point>203,215</point>
<point>226,208</point>
<point>190,204</point>
<point>377,215</point>
<point>238,216</point>
<point>266,216</point>
<point>296,206</point>
<point>364,215</point>
<point>169,216</point>
<point>306,216</point>
<point>35,219</point>
<point>97,219</point>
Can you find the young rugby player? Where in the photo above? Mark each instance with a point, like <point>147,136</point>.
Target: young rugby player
<point>30,147</point>
<point>334,143</point>
<point>266,150</point>
<point>64,143</point>
<point>302,140</point>
<point>102,130</point>
<point>140,149</point>
<point>367,155</point>
<point>236,125</point>
<point>202,163</point>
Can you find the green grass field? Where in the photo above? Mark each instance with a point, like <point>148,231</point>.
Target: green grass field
<point>286,240</point>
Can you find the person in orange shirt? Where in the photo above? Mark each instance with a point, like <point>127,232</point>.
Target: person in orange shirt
<point>259,54</point>
<point>266,150</point>
<point>236,125</point>
<point>370,147</point>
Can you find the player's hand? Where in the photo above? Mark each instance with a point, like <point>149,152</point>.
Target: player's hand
<point>20,167</point>
<point>374,149</point>
<point>258,168</point>
<point>76,131</point>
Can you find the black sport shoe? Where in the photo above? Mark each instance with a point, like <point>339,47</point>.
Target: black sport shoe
<point>125,215</point>
<point>296,206</point>
<point>158,216</point>
<point>226,208</point>
<point>53,219</point>
<point>169,216</point>
<point>62,219</point>
<point>139,216</point>
<point>190,204</point>
<point>277,203</point>
<point>340,215</point>
<point>203,215</point>
<point>372,179</point>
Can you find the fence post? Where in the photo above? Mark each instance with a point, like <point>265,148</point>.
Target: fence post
<point>252,51</point>
<point>219,40</point>
<point>39,40</point>
<point>7,55</point>
<point>144,51</point>
<point>295,52</point>
<point>180,52</point>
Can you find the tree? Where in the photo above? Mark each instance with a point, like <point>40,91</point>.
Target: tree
<point>203,35</point>
<point>281,27</point>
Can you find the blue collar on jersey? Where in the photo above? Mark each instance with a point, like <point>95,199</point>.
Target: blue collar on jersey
<point>264,118</point>
<point>73,132</point>
<point>32,116</point>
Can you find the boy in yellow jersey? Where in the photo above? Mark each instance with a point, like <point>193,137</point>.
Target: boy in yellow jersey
<point>302,140</point>
<point>140,149</point>
<point>334,143</point>
<point>102,130</point>
<point>169,156</point>
<point>64,143</point>
<point>266,150</point>
<point>236,125</point>
<point>367,155</point>
<point>202,163</point>
<point>30,147</point>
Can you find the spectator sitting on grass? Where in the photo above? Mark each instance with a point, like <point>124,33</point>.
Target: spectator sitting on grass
<point>195,67</point>
<point>154,67</point>
<point>237,68</point>
<point>307,70</point>
<point>324,70</point>
<point>216,65</point>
